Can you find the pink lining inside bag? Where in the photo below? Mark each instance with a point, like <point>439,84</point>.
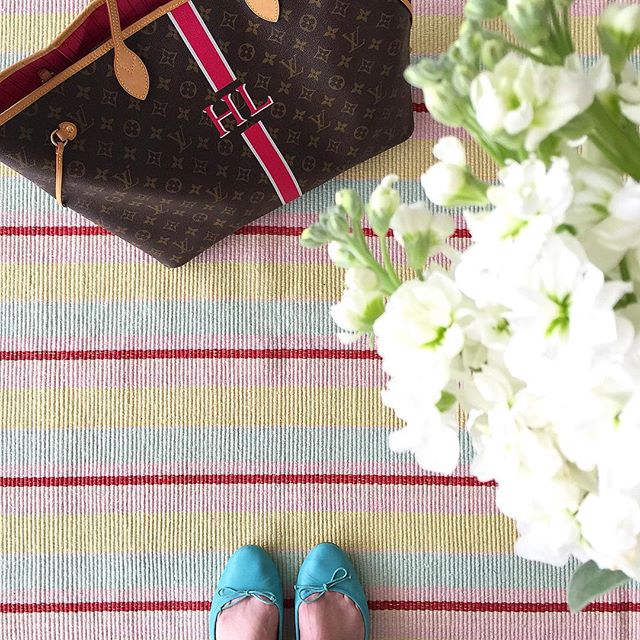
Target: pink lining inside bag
<point>91,32</point>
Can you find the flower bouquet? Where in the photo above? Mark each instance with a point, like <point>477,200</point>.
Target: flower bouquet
<point>531,337</point>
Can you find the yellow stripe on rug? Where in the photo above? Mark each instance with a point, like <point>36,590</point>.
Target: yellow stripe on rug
<point>286,406</point>
<point>118,533</point>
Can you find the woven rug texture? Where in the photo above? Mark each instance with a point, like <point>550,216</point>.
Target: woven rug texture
<point>151,421</point>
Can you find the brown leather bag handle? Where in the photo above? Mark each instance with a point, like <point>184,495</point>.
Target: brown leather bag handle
<point>129,69</point>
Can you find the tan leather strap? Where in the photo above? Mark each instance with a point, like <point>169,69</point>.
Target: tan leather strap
<point>130,71</point>
<point>60,138</point>
<point>268,10</point>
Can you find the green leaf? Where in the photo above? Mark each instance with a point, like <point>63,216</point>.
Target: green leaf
<point>590,581</point>
<point>447,400</point>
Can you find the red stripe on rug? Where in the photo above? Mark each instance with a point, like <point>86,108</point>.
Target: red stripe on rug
<point>235,479</point>
<point>190,354</point>
<point>375,605</point>
<point>253,230</point>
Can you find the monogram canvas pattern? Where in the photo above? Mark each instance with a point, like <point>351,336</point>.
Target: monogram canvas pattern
<point>292,105</point>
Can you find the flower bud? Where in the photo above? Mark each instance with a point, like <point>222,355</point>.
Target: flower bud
<point>362,278</point>
<point>462,78</point>
<point>529,20</point>
<point>335,222</point>
<point>619,32</point>
<point>492,52</point>
<point>469,45</point>
<point>450,149</point>
<point>449,185</point>
<point>484,9</point>
<point>341,255</point>
<point>313,237</point>
<point>358,310</point>
<point>382,205</point>
<point>445,104</point>
<point>350,201</point>
<point>421,233</point>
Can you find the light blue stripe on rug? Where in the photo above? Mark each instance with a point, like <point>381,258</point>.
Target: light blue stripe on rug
<point>408,569</point>
<point>18,193</point>
<point>150,446</point>
<point>157,318</point>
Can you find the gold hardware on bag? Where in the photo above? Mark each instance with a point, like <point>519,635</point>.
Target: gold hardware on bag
<point>45,75</point>
<point>60,138</point>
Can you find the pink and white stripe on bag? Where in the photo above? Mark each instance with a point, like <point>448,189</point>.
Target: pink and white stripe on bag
<point>219,74</point>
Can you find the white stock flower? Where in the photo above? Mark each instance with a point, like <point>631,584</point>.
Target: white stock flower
<point>422,233</point>
<point>530,202</point>
<point>361,304</point>
<point>450,149</point>
<point>599,75</point>
<point>415,220</point>
<point>526,99</point>
<point>442,182</point>
<point>619,31</point>
<point>506,447</point>
<point>552,538</point>
<point>565,313</point>
<point>594,184</point>
<point>529,190</point>
<point>624,223</point>
<point>617,458</point>
<point>449,182</point>
<point>419,328</point>
<point>433,438</point>
<point>629,93</point>
<point>361,278</point>
<point>610,524</point>
<point>622,18</point>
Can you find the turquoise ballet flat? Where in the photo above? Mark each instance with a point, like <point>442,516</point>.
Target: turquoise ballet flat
<point>250,573</point>
<point>327,568</point>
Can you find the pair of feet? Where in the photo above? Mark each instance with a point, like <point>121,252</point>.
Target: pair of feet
<point>329,600</point>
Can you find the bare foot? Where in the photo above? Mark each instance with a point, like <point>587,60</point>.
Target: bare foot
<point>331,617</point>
<point>250,619</point>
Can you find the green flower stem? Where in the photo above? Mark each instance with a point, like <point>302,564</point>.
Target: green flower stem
<point>525,52</point>
<point>388,263</point>
<point>499,153</point>
<point>566,21</point>
<point>361,249</point>
<point>495,35</point>
<point>624,270</point>
<point>619,145</point>
<point>559,34</point>
<point>625,274</point>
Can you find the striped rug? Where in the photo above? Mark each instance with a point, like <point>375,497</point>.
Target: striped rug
<point>151,421</point>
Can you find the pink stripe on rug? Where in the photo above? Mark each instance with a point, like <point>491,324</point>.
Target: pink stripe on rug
<point>189,620</point>
<point>262,498</point>
<point>334,371</point>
